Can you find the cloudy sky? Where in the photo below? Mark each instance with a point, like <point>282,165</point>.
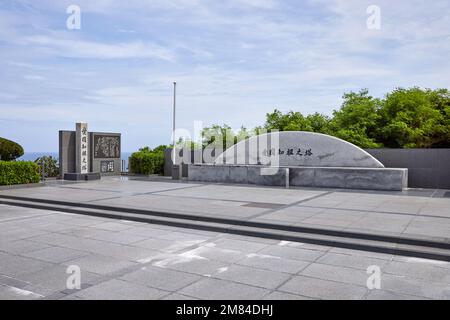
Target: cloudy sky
<point>234,61</point>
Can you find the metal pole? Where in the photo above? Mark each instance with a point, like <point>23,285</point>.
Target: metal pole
<point>173,121</point>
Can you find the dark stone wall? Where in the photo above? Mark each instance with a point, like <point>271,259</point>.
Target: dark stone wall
<point>427,168</point>
<point>66,152</point>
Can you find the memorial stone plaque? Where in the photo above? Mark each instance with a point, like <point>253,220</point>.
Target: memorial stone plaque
<point>106,147</point>
<point>82,147</point>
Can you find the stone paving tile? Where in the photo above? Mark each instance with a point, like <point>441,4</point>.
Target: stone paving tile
<point>12,293</point>
<point>425,272</point>
<point>21,246</point>
<point>125,252</point>
<point>188,263</point>
<point>376,255</point>
<point>211,289</point>
<point>20,233</point>
<point>120,290</point>
<point>387,295</point>
<point>161,278</point>
<point>350,261</point>
<point>302,245</point>
<point>12,265</point>
<point>421,261</point>
<point>325,222</point>
<point>294,253</point>
<point>273,263</point>
<point>86,232</point>
<point>428,231</point>
<point>161,244</point>
<point>146,230</point>
<point>251,276</point>
<point>212,252</point>
<point>119,237</point>
<point>83,221</point>
<point>278,295</point>
<point>112,226</point>
<point>100,264</point>
<point>228,236</point>
<point>239,245</point>
<point>182,236</point>
<point>55,254</point>
<point>53,279</point>
<point>322,289</point>
<point>176,296</point>
<point>415,287</point>
<point>335,273</point>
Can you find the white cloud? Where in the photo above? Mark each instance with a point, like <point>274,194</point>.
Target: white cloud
<point>87,49</point>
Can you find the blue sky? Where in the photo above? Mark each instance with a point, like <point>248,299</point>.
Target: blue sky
<point>234,61</point>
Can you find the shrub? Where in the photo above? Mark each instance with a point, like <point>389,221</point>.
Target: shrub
<point>51,168</point>
<point>9,150</point>
<point>18,172</point>
<point>147,161</point>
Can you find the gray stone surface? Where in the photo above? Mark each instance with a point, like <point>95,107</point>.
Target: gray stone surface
<point>323,289</point>
<point>321,177</point>
<point>326,151</point>
<point>427,168</point>
<point>67,155</point>
<point>122,259</point>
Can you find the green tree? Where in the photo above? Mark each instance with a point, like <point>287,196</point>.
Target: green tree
<point>357,120</point>
<point>218,136</point>
<point>291,121</point>
<point>415,118</point>
<point>319,122</point>
<point>10,150</point>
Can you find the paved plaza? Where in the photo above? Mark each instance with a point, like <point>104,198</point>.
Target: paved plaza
<point>126,259</point>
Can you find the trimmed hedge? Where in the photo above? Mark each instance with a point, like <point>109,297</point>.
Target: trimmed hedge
<point>147,161</point>
<point>10,150</point>
<point>18,172</point>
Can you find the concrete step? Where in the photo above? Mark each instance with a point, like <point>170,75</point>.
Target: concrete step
<point>434,242</point>
<point>359,241</point>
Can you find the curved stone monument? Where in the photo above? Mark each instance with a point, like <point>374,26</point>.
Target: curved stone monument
<point>298,158</point>
<point>299,148</point>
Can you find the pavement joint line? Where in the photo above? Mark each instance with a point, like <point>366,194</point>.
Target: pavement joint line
<point>405,252</point>
<point>265,269</point>
<point>134,194</point>
<point>293,204</point>
<point>382,212</point>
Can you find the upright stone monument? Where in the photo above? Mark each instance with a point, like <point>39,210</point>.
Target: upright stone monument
<point>87,155</point>
<point>82,147</point>
<point>299,158</point>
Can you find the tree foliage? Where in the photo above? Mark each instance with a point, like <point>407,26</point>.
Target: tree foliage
<point>10,150</point>
<point>404,118</point>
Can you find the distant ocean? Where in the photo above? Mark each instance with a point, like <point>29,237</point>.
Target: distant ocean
<point>31,156</point>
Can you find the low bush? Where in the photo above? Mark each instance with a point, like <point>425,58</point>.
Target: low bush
<point>51,168</point>
<point>147,161</point>
<point>10,150</point>
<point>18,172</point>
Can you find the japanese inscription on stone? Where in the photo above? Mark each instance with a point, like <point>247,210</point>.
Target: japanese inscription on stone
<point>300,152</point>
<point>106,146</point>
<point>82,160</point>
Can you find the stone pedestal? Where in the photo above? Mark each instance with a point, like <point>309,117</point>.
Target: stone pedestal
<point>82,176</point>
<point>391,179</point>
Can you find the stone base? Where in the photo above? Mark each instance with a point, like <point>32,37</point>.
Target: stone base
<point>391,179</point>
<point>82,176</point>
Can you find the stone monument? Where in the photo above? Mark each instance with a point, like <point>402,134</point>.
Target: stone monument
<point>298,158</point>
<point>85,155</point>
